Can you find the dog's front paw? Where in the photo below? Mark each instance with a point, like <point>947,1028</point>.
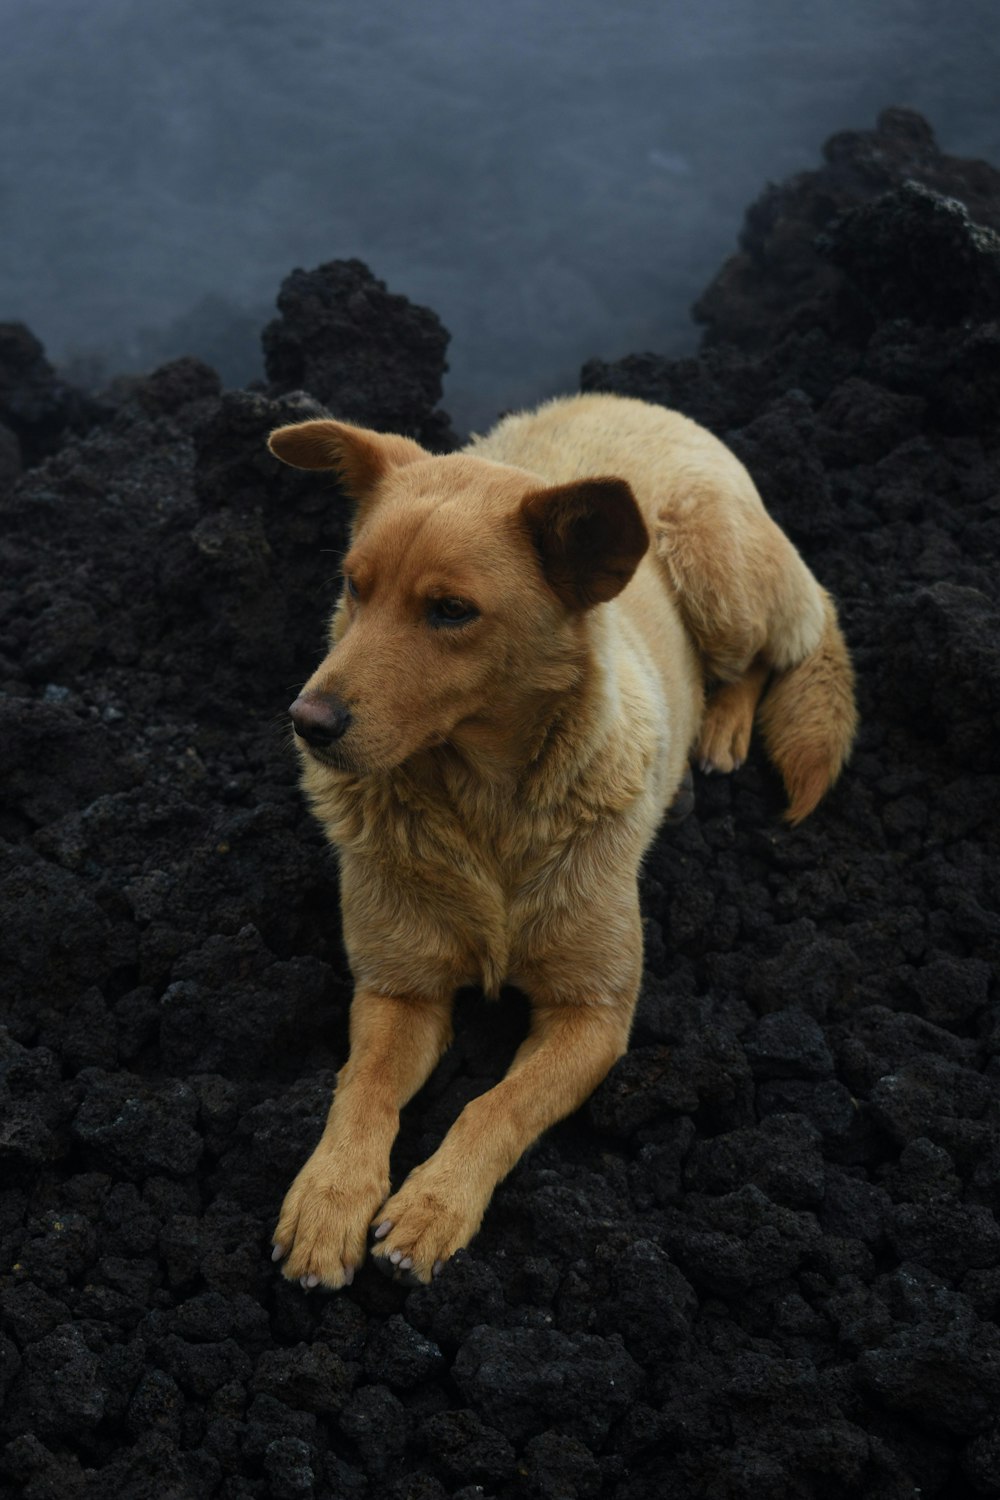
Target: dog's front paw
<point>321,1236</point>
<point>422,1226</point>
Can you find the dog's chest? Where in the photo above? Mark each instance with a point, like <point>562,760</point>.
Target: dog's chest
<point>444,886</point>
<point>498,875</point>
<point>458,895</point>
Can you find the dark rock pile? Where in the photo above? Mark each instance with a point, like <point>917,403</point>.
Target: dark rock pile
<point>764,1261</point>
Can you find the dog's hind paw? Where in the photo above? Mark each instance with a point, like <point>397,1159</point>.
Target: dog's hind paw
<point>728,723</point>
<point>723,745</point>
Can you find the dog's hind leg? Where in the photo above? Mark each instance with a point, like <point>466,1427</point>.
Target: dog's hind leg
<point>728,721</point>
<point>752,606</point>
<point>741,587</point>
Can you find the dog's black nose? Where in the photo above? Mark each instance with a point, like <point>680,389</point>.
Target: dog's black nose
<point>320,718</point>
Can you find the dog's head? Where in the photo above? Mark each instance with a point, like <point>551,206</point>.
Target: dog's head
<point>466,586</point>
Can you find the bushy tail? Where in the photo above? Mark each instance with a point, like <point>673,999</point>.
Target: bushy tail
<point>808,718</point>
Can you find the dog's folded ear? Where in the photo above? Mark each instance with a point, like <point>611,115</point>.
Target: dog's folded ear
<point>589,536</point>
<point>357,455</point>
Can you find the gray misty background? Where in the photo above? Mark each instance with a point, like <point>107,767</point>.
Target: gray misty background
<point>556,178</point>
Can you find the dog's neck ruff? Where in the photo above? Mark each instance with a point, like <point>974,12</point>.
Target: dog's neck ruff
<point>585,753</point>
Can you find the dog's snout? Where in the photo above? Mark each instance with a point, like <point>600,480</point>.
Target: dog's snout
<point>320,718</point>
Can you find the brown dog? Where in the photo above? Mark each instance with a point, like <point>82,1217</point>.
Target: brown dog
<point>515,682</point>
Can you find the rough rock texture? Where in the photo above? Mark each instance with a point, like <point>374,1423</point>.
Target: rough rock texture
<point>370,356</point>
<point>37,408</point>
<point>779,275</point>
<point>764,1260</point>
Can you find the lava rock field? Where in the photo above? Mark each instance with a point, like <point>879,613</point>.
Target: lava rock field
<point>763,1262</point>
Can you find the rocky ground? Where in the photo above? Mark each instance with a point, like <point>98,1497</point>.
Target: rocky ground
<point>764,1261</point>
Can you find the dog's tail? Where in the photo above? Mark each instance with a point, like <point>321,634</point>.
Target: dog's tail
<point>808,718</point>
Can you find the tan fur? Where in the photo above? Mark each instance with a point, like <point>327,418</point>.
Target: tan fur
<point>728,721</point>
<point>500,779</point>
<point>809,718</point>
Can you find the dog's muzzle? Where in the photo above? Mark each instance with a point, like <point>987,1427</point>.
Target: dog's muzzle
<point>320,718</point>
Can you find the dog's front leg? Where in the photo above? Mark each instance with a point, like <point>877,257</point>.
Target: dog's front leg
<point>441,1204</point>
<point>323,1229</point>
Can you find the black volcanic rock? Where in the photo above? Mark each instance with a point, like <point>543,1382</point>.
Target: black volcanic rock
<point>37,409</point>
<point>780,272</point>
<point>941,660</point>
<point>915,254</point>
<point>764,1259</point>
<point>526,1380</point>
<point>371,357</point>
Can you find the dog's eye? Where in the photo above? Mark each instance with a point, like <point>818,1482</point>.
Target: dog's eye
<point>350,586</point>
<point>451,612</point>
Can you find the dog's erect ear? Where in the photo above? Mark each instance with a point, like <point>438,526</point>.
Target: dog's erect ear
<point>589,536</point>
<point>357,455</point>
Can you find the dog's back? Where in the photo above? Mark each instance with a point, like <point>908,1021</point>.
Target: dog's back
<point>746,598</point>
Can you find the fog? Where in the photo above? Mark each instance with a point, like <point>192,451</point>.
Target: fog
<point>556,178</point>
